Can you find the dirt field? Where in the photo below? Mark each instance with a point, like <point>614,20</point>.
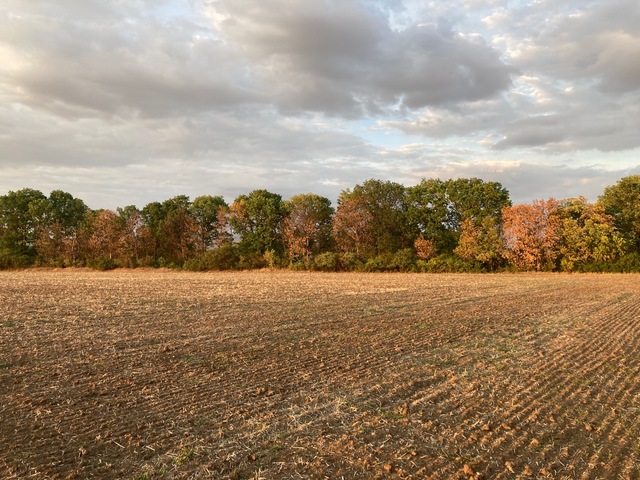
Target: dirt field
<point>143,375</point>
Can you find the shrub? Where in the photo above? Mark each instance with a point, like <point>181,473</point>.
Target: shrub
<point>449,264</point>
<point>404,260</point>
<point>272,259</point>
<point>350,261</point>
<point>251,261</point>
<point>379,263</point>
<point>102,264</point>
<point>629,263</point>
<point>327,262</point>
<point>224,257</point>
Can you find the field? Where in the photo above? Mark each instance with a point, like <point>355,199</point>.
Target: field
<point>275,375</point>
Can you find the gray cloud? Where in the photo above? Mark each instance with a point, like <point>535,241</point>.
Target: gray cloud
<point>118,63</point>
<point>134,101</point>
<point>344,58</point>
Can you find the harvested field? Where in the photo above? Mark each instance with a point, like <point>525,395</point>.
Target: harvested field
<point>145,375</point>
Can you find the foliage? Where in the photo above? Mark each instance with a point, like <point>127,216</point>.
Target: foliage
<point>448,263</point>
<point>307,226</point>
<point>622,202</point>
<point>22,214</point>
<point>326,262</point>
<point>436,209</point>
<point>532,235</point>
<point>425,249</point>
<point>208,214</point>
<point>482,243</point>
<point>352,231</point>
<point>102,264</point>
<point>225,257</point>
<point>404,260</point>
<point>436,226</point>
<point>382,205</point>
<point>350,262</point>
<point>256,218</point>
<point>588,235</point>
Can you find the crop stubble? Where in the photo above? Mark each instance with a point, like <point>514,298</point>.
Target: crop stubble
<point>146,374</point>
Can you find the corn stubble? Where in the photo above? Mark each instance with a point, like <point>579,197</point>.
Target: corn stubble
<point>157,374</point>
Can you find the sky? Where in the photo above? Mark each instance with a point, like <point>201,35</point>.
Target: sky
<point>133,101</point>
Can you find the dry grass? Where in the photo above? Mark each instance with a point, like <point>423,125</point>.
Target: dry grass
<point>144,375</point>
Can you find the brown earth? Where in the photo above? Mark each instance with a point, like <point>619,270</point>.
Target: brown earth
<point>144,375</point>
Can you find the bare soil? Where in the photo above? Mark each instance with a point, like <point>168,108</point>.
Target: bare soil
<point>275,375</point>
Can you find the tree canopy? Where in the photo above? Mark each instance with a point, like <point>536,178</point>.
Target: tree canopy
<point>436,225</point>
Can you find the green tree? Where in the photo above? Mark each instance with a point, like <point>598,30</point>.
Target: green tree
<point>622,202</point>
<point>257,219</point>
<point>172,228</point>
<point>22,215</point>
<point>474,199</point>
<point>57,242</point>
<point>207,211</point>
<point>588,235</point>
<point>386,207</point>
<point>436,209</point>
<point>428,213</point>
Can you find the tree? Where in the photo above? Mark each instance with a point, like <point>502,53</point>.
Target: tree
<point>425,249</point>
<point>22,214</point>
<point>474,199</point>
<point>103,236</point>
<point>588,234</point>
<point>622,202</point>
<point>306,229</point>
<point>482,243</point>
<point>173,229</point>
<point>351,227</point>
<point>428,212</point>
<point>386,207</point>
<point>179,236</point>
<point>206,211</point>
<point>532,234</point>
<point>257,219</point>
<point>57,242</point>
<point>136,242</point>
<point>436,209</point>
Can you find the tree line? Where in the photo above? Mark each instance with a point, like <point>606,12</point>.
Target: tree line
<point>461,225</point>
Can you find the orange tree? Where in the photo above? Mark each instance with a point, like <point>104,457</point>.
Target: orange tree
<point>532,234</point>
<point>306,229</point>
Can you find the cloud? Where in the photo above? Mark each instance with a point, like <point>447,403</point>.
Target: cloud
<point>139,100</point>
<point>344,59</point>
<point>117,62</point>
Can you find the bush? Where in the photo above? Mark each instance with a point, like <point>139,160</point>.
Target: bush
<point>102,264</point>
<point>350,262</point>
<point>251,261</point>
<point>448,264</point>
<point>224,257</point>
<point>15,261</point>
<point>404,260</point>
<point>327,262</point>
<point>629,263</point>
<point>272,259</point>
<point>300,265</point>
<point>379,263</point>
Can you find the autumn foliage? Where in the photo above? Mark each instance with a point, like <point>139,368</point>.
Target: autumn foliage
<point>435,226</point>
<point>532,235</point>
